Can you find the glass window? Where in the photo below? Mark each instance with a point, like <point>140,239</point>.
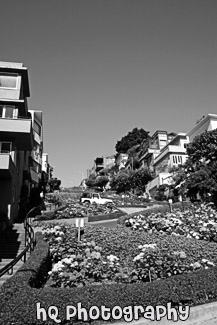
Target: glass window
<point>5,147</point>
<point>37,128</point>
<point>8,80</point>
<point>9,111</point>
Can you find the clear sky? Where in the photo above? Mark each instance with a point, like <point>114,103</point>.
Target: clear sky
<point>99,68</point>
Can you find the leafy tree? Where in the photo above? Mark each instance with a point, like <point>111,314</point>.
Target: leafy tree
<point>135,137</point>
<point>132,180</point>
<point>101,181</point>
<point>199,174</point>
<point>54,184</point>
<point>121,182</point>
<point>140,178</point>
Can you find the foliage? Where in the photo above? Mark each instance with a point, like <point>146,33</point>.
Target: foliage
<point>131,180</point>
<point>116,255</point>
<point>19,296</point>
<point>196,222</point>
<point>121,182</point>
<point>136,136</point>
<point>160,193</point>
<point>54,184</point>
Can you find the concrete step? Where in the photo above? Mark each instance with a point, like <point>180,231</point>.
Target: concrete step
<point>12,244</point>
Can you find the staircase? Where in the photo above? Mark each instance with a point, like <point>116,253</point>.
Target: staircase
<point>12,243</point>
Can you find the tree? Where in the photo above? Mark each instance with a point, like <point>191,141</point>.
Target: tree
<point>140,178</point>
<point>131,180</point>
<point>136,136</point>
<point>199,174</point>
<point>121,182</point>
<point>54,184</point>
<point>101,182</point>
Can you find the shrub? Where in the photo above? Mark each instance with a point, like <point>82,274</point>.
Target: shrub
<point>19,295</point>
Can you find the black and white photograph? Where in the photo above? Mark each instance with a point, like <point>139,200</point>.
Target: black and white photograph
<point>108,162</point>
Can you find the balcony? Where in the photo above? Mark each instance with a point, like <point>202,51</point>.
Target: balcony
<point>7,167</point>
<point>19,130</point>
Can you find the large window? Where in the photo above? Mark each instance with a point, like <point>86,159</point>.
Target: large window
<point>8,80</point>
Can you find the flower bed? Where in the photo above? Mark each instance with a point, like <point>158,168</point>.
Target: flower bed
<point>197,222</point>
<point>19,296</point>
<point>116,255</point>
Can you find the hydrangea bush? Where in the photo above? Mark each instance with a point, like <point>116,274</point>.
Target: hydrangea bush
<point>197,222</point>
<point>107,255</point>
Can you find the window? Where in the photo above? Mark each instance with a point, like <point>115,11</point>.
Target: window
<point>95,196</point>
<point>8,80</point>
<point>7,111</point>
<point>37,128</point>
<point>5,147</point>
<point>185,145</point>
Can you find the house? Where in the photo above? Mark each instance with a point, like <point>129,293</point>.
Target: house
<point>101,163</point>
<point>171,155</point>
<point>207,123</point>
<point>152,147</point>
<point>16,136</point>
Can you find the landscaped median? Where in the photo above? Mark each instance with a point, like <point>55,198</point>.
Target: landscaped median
<point>124,269</point>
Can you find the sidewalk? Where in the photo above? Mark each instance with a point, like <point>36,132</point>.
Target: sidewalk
<point>200,315</point>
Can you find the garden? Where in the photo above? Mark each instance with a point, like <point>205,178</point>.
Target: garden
<point>150,258</point>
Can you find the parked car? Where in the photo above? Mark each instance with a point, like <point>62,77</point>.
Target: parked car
<point>93,197</point>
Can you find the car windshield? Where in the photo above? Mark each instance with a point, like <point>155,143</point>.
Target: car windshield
<point>87,195</point>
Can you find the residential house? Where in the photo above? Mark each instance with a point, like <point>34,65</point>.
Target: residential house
<point>16,136</point>
<point>153,146</point>
<point>171,155</point>
<point>207,123</point>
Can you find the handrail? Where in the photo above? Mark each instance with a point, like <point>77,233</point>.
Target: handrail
<point>29,243</point>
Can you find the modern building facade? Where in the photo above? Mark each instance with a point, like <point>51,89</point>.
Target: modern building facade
<point>16,136</point>
<point>21,139</point>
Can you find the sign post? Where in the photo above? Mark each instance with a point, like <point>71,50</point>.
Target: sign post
<point>170,203</point>
<point>79,223</point>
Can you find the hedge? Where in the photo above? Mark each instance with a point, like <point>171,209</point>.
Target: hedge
<point>20,294</point>
<point>156,209</point>
<point>109,216</point>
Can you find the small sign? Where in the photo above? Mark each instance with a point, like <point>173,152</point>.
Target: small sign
<point>170,201</point>
<point>79,222</point>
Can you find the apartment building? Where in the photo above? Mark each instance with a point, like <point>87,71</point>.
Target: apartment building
<point>16,136</point>
<point>21,140</point>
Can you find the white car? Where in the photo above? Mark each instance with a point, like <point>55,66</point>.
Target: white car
<point>94,198</point>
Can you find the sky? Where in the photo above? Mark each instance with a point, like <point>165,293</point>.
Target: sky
<point>99,68</point>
